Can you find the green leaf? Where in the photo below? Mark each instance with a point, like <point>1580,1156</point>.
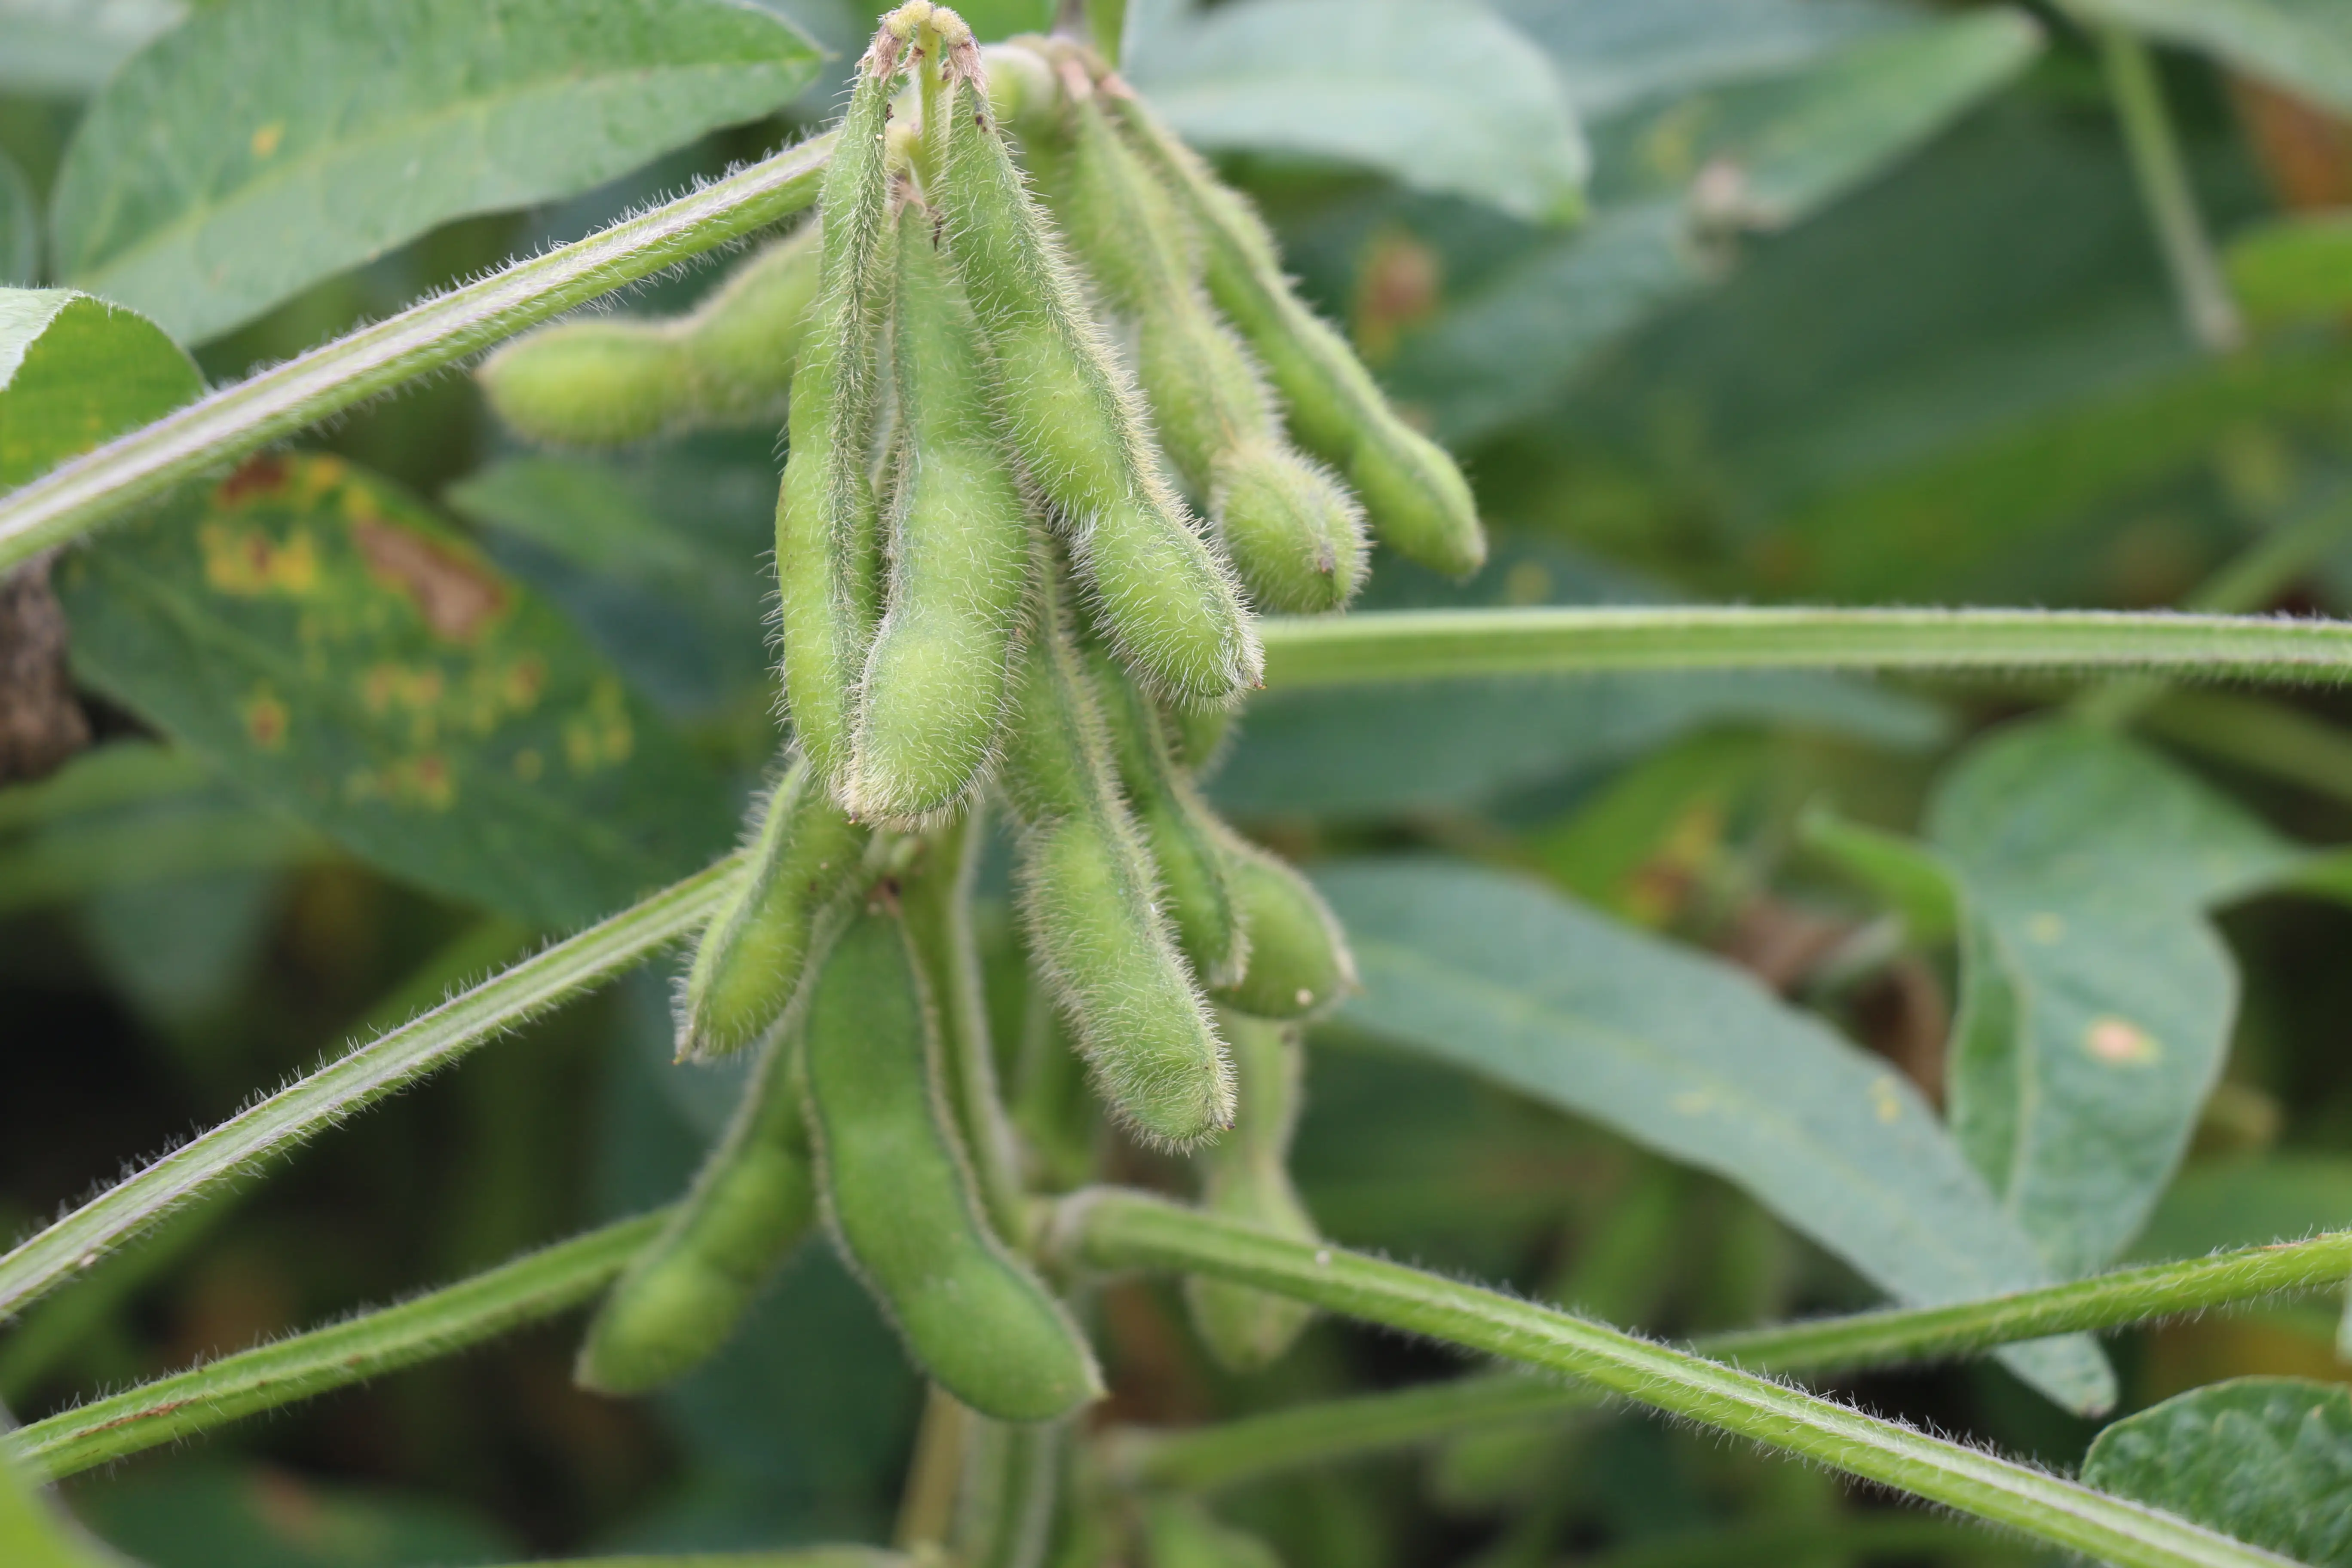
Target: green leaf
<point>2089,861</point>
<point>1691,1058</point>
<point>20,227</point>
<point>331,646</point>
<point>75,371</point>
<point>306,136</point>
<point>2267,1460</point>
<point>209,1514</point>
<point>2293,270</point>
<point>33,1534</point>
<point>2248,1202</point>
<point>1443,98</point>
<point>69,47</point>
<point>2305,46</point>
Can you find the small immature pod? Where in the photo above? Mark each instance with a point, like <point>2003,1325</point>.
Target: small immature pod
<point>807,868</point>
<point>1293,530</point>
<point>1246,1176</point>
<point>751,1204</point>
<point>597,384</point>
<point>1166,602</point>
<point>937,682</point>
<point>898,1193</point>
<point>1088,900</point>
<point>827,543</point>
<point>1299,964</point>
<point>1417,497</point>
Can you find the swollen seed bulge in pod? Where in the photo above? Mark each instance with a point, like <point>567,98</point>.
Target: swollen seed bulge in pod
<point>1299,964</point>
<point>1293,530</point>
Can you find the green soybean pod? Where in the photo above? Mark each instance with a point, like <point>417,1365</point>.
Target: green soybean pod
<point>1178,829</point>
<point>937,684</point>
<point>827,526</point>
<point>1180,1534</point>
<point>1416,496</point>
<point>1246,1176</point>
<point>807,866</point>
<point>1299,964</point>
<point>752,1203</point>
<point>1090,903</point>
<point>1168,603</point>
<point>899,1196</point>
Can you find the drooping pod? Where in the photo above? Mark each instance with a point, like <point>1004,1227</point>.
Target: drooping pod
<point>807,869</point>
<point>938,681</point>
<point>1299,964</point>
<point>1195,873</point>
<point>1246,1176</point>
<point>1090,903</point>
<point>1165,599</point>
<point>752,1203</point>
<point>1417,497</point>
<point>899,1195</point>
<point>613,381</point>
<point>827,524</point>
<point>1290,528</point>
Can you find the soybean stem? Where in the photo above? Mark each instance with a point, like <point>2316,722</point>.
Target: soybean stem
<point>2206,304</point>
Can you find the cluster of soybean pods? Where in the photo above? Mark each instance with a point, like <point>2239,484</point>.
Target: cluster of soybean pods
<point>1001,412</point>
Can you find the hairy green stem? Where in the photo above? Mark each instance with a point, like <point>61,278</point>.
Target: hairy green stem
<point>798,1557</point>
<point>1314,1433</point>
<point>1836,1539</point>
<point>2206,304</point>
<point>535,1286</point>
<point>355,1079</point>
<point>1112,1229</point>
<point>1424,645</point>
<point>78,496</point>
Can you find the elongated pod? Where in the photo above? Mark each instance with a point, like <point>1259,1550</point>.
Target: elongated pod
<point>1168,603</point>
<point>1417,497</point>
<point>752,1203</point>
<point>827,545</point>
<point>1246,1176</point>
<point>807,868</point>
<point>1299,964</point>
<point>938,681</point>
<point>899,1193</point>
<point>615,382</point>
<point>1089,900</point>
<point>1182,834</point>
<point>1290,528</point>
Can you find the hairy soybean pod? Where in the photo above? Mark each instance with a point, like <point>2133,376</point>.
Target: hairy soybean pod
<point>1195,873</point>
<point>1089,902</point>
<point>752,1203</point>
<point>938,680</point>
<point>1246,1176</point>
<point>827,555</point>
<point>808,866</point>
<point>1417,497</point>
<point>1166,602</point>
<point>613,382</point>
<point>898,1193</point>
<point>1299,964</point>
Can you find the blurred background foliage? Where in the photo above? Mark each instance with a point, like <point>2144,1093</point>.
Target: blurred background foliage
<point>1862,304</point>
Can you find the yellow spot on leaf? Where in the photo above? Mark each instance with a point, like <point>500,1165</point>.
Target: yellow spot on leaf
<point>2047,929</point>
<point>266,140</point>
<point>267,721</point>
<point>248,563</point>
<point>2121,1042</point>
<point>1693,1102</point>
<point>1886,1099</point>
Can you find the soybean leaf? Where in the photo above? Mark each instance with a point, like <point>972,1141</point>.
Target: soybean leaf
<point>72,46</point>
<point>34,1535</point>
<point>2294,270</point>
<point>2248,1203</point>
<point>2266,1459</point>
<point>209,1511</point>
<point>331,646</point>
<point>268,143</point>
<point>20,232</point>
<point>2089,861</point>
<point>2302,45</point>
<point>74,371</point>
<point>1444,97</point>
<point>1691,1058</point>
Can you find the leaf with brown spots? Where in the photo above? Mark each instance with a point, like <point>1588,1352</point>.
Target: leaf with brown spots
<point>333,646</point>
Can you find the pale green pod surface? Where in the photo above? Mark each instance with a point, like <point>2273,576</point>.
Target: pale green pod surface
<point>1180,1534</point>
<point>742,343</point>
<point>827,524</point>
<point>899,1197</point>
<point>1416,496</point>
<point>1299,964</point>
<point>1088,900</point>
<point>1197,739</point>
<point>938,680</point>
<point>1246,1176</point>
<point>754,1199</point>
<point>592,383</point>
<point>808,866</point>
<point>1169,604</point>
<point>1292,530</point>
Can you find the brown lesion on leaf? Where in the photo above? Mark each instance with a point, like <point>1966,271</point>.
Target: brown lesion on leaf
<point>456,596</point>
<point>266,719</point>
<point>260,475</point>
<point>247,562</point>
